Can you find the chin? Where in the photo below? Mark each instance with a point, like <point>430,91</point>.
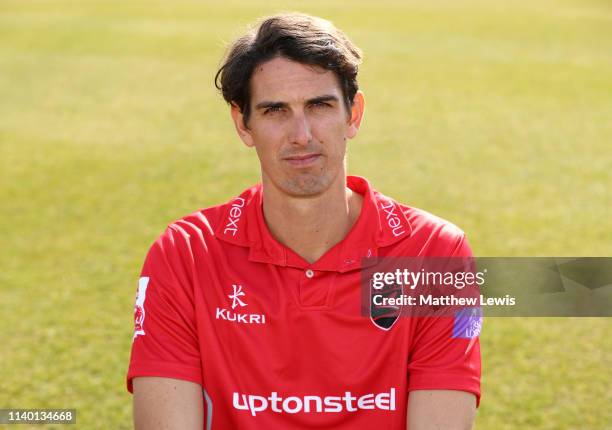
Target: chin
<point>306,185</point>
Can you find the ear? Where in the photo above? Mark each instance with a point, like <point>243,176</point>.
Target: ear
<point>357,111</point>
<point>241,128</point>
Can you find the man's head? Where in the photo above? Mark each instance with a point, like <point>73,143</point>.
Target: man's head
<point>301,38</point>
<point>292,86</point>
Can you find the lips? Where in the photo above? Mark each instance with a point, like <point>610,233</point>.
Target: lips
<point>303,159</point>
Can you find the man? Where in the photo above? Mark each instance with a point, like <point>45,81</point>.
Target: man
<point>248,313</point>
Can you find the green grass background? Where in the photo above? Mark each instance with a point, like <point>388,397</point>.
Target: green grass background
<point>496,115</point>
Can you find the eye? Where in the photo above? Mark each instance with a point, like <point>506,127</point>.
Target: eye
<point>273,109</point>
<point>320,105</point>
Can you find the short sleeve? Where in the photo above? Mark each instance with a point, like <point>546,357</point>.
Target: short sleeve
<point>165,341</point>
<point>443,357</point>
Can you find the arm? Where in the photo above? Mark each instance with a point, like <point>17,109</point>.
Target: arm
<point>445,366</point>
<point>441,410</point>
<point>165,373</point>
<point>168,404</point>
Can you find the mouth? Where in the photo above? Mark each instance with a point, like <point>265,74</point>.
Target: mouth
<point>302,160</point>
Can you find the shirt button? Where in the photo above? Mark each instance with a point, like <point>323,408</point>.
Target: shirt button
<point>309,273</point>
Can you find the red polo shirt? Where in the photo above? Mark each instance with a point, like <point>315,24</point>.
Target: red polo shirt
<point>278,343</point>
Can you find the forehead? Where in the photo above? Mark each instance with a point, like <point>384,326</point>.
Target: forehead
<point>280,79</point>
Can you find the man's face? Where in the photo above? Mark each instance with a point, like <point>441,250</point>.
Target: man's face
<point>298,125</point>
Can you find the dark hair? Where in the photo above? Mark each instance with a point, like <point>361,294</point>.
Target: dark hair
<point>302,38</point>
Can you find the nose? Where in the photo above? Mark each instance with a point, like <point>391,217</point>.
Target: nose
<point>300,133</point>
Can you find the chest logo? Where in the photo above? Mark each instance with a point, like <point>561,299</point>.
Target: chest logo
<point>233,315</point>
<point>385,316</point>
<point>236,296</point>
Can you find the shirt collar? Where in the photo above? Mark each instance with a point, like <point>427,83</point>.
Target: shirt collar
<point>381,223</point>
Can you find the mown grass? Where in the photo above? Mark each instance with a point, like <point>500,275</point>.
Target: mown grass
<point>494,115</point>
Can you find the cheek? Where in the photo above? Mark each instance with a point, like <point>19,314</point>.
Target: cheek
<point>265,132</point>
<point>332,134</point>
<point>267,143</point>
<point>334,126</point>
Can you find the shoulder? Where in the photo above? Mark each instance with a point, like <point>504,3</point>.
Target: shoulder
<point>426,222</point>
<point>176,245</point>
<point>413,231</point>
<point>198,224</point>
<point>205,227</point>
<point>436,235</point>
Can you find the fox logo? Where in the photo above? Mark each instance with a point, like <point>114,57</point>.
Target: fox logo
<point>139,312</point>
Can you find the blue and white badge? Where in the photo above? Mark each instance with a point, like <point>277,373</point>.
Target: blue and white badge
<point>468,323</point>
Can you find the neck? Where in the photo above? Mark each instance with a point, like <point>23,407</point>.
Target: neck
<point>310,226</point>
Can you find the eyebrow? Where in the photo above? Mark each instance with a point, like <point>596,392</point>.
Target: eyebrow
<point>319,99</point>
